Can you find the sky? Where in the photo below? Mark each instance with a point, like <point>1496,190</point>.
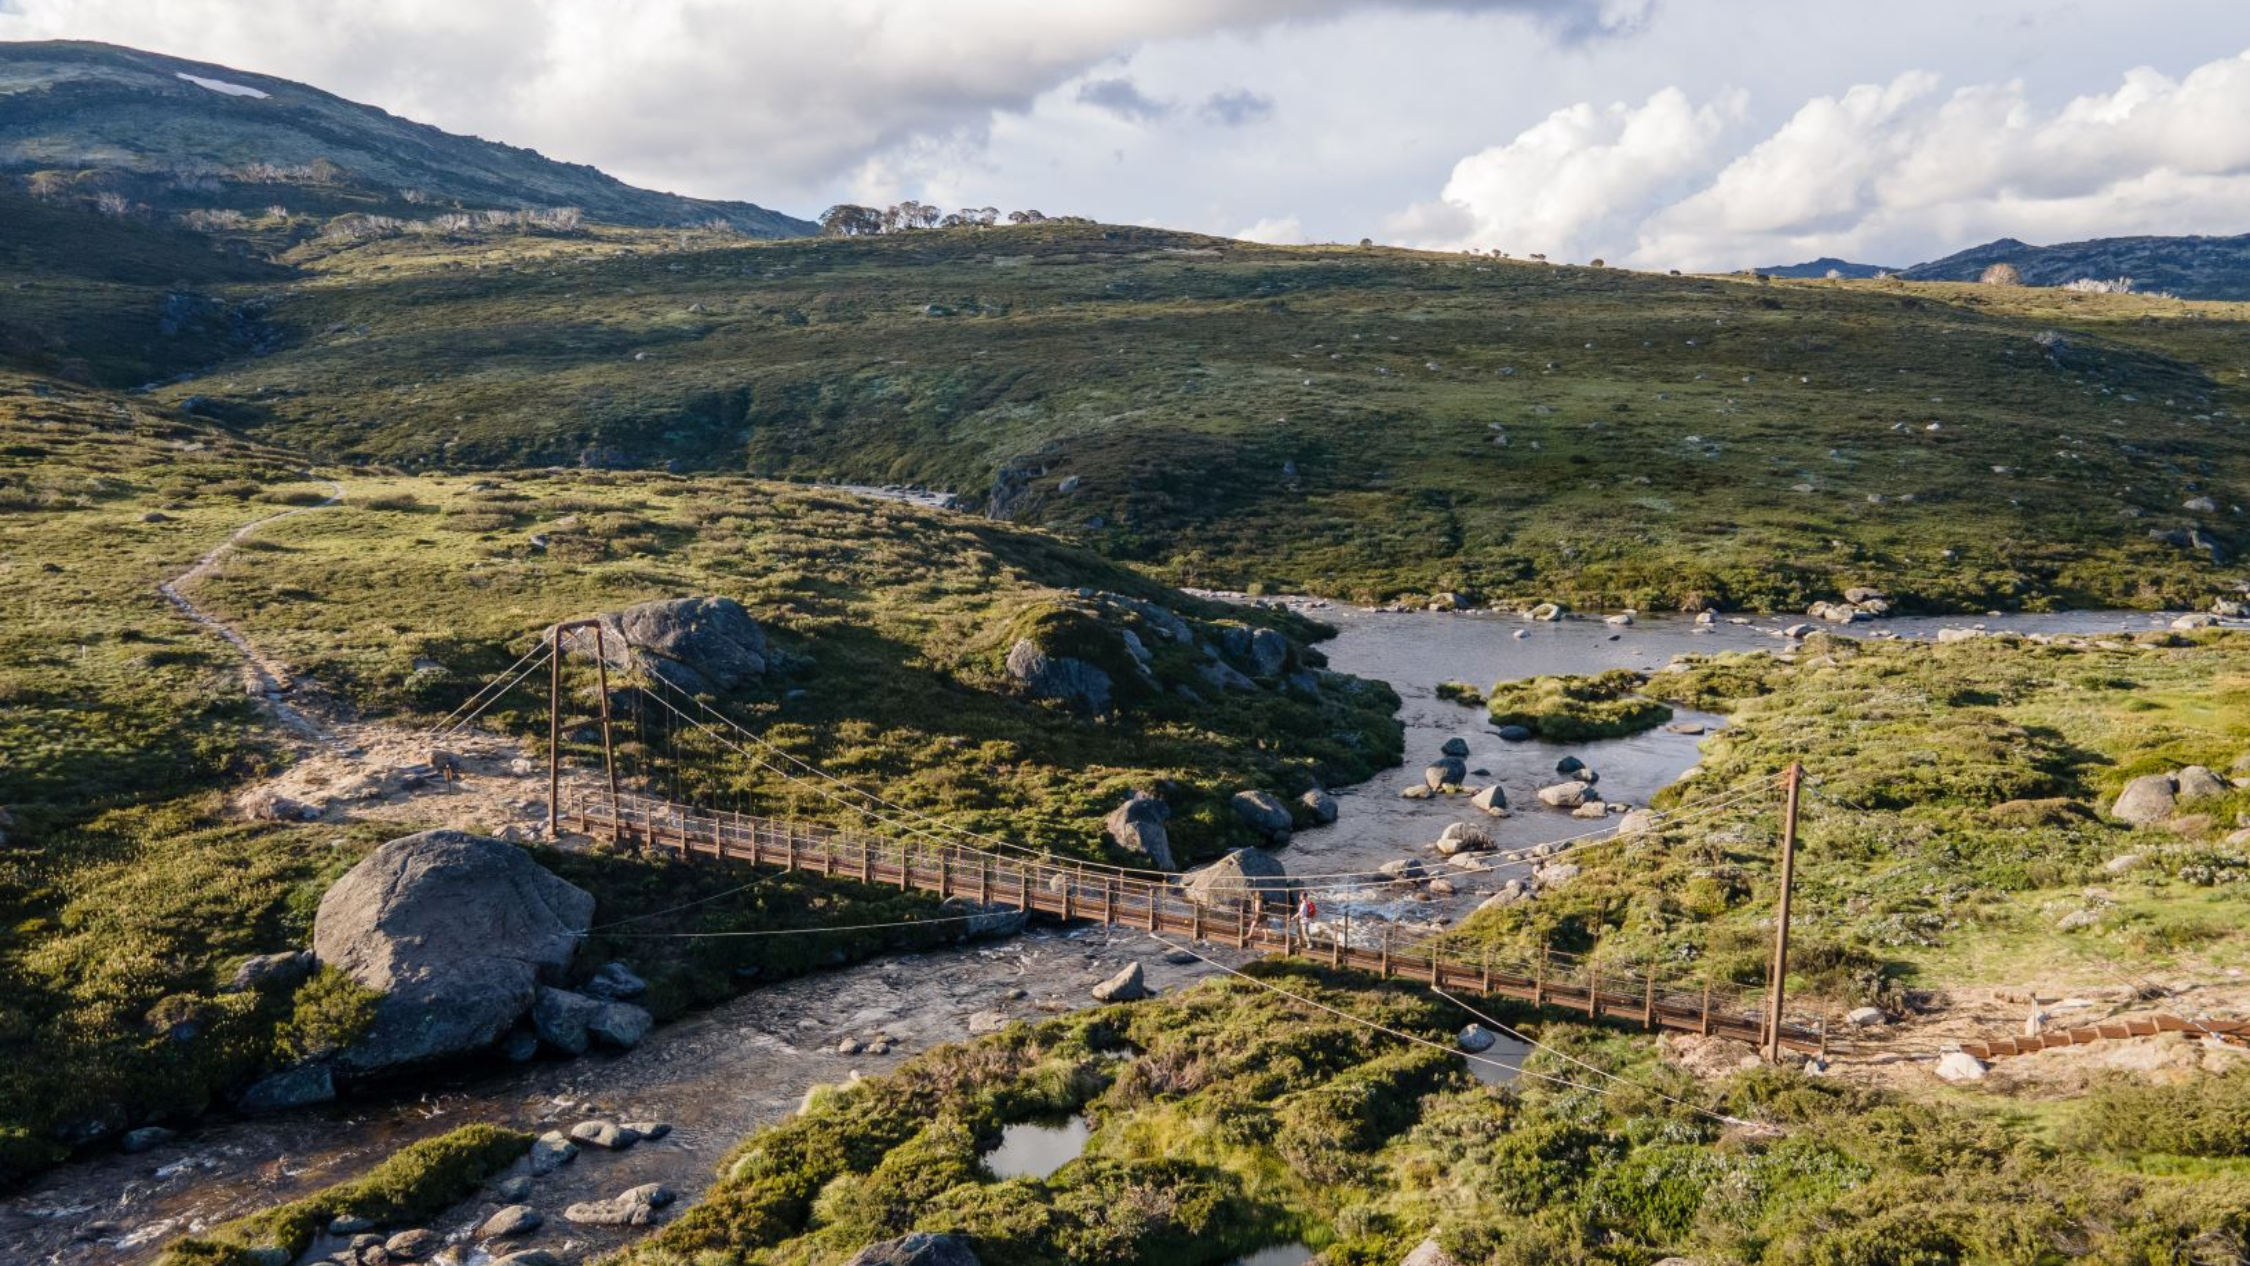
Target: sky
<point>1692,134</point>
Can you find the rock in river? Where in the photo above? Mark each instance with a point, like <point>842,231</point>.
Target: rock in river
<point>456,931</point>
<point>1125,986</point>
<point>635,1207</point>
<point>1446,771</point>
<point>1320,805</point>
<point>1568,795</point>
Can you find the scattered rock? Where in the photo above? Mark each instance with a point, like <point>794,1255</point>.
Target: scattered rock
<point>412,1245</point>
<point>349,1224</point>
<point>2146,799</point>
<point>1446,771</point>
<point>1545,612</point>
<point>606,1135</point>
<point>550,1152</point>
<point>563,1020</point>
<point>270,806</point>
<point>1492,800</point>
<point>145,1138</point>
<point>296,1087</point>
<point>1416,792</point>
<point>1463,837</point>
<point>2195,620</point>
<point>615,982</point>
<point>1475,1039</point>
<point>1569,765</point>
<point>982,919</point>
<point>529,1257</point>
<point>2197,783</point>
<point>1403,870</point>
<point>1125,986</point>
<point>1556,874</point>
<point>635,1207</point>
<point>1320,805</point>
<point>1865,1017</point>
<point>514,1220</point>
<point>619,1024</point>
<point>1568,795</point>
<point>2121,863</point>
<point>1455,747</point>
<point>1510,893</point>
<point>456,931</point>
<point>1960,1066</point>
<point>1637,821</point>
<point>1622,619</point>
<point>983,1022</point>
<point>650,1131</point>
<point>1263,812</point>
<point>1072,681</point>
<point>278,972</point>
<point>1246,877</point>
<point>919,1249</point>
<point>513,1189</point>
<point>1137,826</point>
<point>1429,1253</point>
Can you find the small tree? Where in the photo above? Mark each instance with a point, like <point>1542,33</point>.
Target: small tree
<point>2001,274</point>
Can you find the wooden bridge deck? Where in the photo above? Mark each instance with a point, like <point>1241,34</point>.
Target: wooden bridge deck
<point>1244,919</point>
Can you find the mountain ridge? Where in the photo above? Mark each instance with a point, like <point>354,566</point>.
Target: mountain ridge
<point>181,135</point>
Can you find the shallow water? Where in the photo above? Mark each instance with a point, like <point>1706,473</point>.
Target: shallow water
<point>1415,651</point>
<point>1035,1149</point>
<point>1276,1255</point>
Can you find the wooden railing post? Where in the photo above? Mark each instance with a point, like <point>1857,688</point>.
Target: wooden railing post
<point>1385,971</point>
<point>1648,1001</point>
<point>1593,990</point>
<point>1706,1008</point>
<point>1539,981</point>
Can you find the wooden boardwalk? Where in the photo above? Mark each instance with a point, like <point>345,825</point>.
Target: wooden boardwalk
<point>1251,917</point>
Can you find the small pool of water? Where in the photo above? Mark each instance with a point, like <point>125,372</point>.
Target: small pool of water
<point>1277,1255</point>
<point>1035,1149</point>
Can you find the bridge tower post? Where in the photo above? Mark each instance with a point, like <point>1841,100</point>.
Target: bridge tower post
<point>1778,977</point>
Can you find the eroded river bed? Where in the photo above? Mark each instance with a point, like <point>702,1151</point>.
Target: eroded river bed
<point>720,1074</point>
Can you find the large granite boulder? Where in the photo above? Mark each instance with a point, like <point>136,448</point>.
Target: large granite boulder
<point>702,645</point>
<point>2146,799</point>
<point>1244,877</point>
<point>1263,812</point>
<point>1072,681</point>
<point>1137,826</point>
<point>456,931</point>
<point>919,1249</point>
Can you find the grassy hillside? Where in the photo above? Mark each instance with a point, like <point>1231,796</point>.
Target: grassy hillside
<point>1228,1118</point>
<point>1361,422</point>
<point>127,893</point>
<point>1955,817</point>
<point>99,118</point>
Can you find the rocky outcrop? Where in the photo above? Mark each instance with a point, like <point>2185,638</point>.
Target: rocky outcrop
<point>1429,1253</point>
<point>456,931</point>
<point>1137,826</point>
<point>702,645</point>
<point>1246,877</point>
<point>1263,812</point>
<point>1075,682</point>
<point>918,1249</point>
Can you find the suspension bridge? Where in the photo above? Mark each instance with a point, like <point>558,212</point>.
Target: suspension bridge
<point>914,851</point>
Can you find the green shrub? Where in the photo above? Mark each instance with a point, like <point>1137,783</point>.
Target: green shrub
<point>2209,1116</point>
<point>414,1185</point>
<point>332,1011</point>
<point>1575,709</point>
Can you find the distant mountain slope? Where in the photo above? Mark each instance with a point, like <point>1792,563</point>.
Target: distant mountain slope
<point>1825,265</point>
<point>181,135</point>
<point>1368,422</point>
<point>2190,267</point>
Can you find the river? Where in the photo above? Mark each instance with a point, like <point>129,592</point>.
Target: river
<point>722,1073</point>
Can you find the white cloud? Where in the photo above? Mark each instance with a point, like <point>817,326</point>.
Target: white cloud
<point>1884,173</point>
<point>706,96</point>
<point>1284,230</point>
<point>1576,180</point>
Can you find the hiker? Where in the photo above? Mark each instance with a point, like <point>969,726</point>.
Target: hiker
<point>1306,913</point>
